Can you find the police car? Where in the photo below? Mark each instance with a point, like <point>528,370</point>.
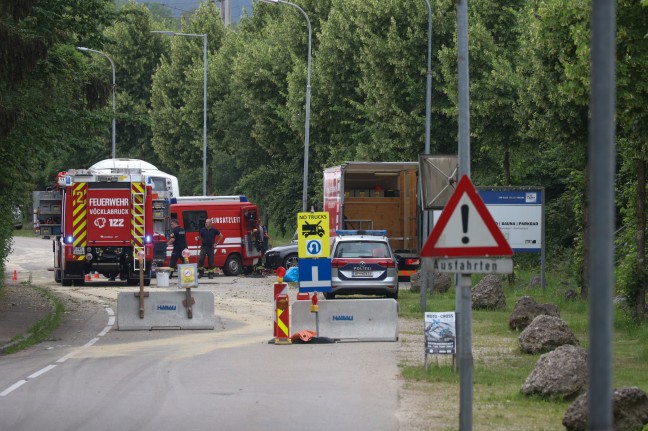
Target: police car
<point>363,263</point>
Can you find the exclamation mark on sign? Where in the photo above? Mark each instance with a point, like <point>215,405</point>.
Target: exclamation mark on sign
<point>464,222</point>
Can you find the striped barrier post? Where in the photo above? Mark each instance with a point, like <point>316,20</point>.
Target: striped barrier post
<point>282,314</point>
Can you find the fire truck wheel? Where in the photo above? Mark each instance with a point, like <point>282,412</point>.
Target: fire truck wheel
<point>57,275</point>
<point>233,265</point>
<point>66,282</point>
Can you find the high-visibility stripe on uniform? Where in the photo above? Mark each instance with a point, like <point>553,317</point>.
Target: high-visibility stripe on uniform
<point>79,217</point>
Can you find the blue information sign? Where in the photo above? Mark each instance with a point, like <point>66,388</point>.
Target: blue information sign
<point>314,275</point>
<point>518,214</point>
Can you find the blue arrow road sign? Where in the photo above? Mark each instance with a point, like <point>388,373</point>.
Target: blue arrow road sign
<point>314,247</point>
<point>314,275</point>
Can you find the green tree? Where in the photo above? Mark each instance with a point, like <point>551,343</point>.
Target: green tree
<point>46,122</point>
<point>136,55</point>
<point>335,80</point>
<point>552,113</point>
<point>393,66</point>
<point>632,119</point>
<point>273,162</point>
<point>177,98</point>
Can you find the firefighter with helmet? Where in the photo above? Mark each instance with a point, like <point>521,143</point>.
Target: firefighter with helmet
<point>209,237</point>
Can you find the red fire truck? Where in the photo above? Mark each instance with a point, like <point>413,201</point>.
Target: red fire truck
<point>101,222</point>
<point>235,217</point>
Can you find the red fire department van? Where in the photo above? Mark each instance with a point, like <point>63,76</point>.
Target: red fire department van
<point>236,218</point>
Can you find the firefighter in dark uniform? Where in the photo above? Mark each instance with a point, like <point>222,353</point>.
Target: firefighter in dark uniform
<point>210,237</point>
<point>179,242</point>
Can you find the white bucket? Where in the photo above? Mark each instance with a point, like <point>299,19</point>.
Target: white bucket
<point>162,278</point>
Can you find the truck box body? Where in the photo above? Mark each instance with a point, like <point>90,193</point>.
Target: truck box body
<point>376,195</point>
<point>238,221</point>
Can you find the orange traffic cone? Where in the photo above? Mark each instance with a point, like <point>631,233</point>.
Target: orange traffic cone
<point>96,274</point>
<point>15,276</point>
<point>88,278</point>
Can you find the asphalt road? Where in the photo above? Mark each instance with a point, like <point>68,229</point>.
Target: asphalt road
<point>93,376</point>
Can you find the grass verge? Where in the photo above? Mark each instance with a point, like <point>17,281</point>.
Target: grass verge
<point>43,329</point>
<point>500,367</point>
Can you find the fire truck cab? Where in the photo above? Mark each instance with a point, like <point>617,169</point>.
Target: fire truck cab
<point>105,225</point>
<point>235,217</point>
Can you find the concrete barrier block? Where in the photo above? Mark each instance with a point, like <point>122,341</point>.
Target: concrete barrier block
<point>165,310</point>
<point>349,319</point>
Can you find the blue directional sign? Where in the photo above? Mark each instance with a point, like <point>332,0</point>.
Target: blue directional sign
<point>314,275</point>
<point>314,247</point>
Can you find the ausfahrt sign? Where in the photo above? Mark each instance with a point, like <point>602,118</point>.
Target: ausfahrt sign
<point>466,239</point>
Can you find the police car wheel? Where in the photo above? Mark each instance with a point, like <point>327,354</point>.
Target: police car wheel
<point>393,295</point>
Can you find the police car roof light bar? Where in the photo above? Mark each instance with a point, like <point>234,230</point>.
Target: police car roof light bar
<point>374,232</point>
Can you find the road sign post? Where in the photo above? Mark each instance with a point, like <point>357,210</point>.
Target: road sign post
<point>314,245</point>
<point>466,240</point>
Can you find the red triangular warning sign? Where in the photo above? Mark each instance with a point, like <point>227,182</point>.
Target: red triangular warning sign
<point>466,228</point>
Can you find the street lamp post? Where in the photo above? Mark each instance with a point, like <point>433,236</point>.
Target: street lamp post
<point>308,97</point>
<point>428,91</point>
<point>426,279</point>
<point>81,48</point>
<point>204,36</point>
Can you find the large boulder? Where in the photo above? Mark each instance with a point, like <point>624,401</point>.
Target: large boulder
<point>629,408</point>
<point>545,333</point>
<point>561,373</point>
<point>441,282</point>
<point>526,309</point>
<point>488,294</point>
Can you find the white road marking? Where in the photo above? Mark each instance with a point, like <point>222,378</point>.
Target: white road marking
<point>90,343</point>
<point>111,322</point>
<point>12,388</point>
<point>66,357</point>
<point>42,371</point>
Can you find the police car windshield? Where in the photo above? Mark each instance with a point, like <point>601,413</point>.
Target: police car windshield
<point>362,249</point>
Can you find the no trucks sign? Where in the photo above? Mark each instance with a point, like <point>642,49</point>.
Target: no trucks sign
<point>313,236</point>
